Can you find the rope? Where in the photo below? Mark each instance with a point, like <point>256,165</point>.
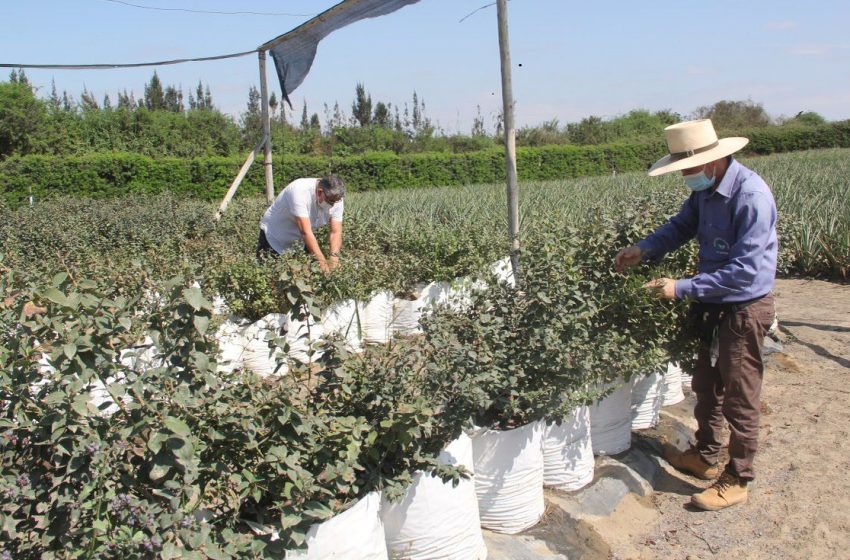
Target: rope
<point>208,11</point>
<point>133,65</point>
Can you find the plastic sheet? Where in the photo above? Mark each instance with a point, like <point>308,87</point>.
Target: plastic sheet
<point>436,519</point>
<point>509,477</point>
<point>568,453</point>
<point>611,421</point>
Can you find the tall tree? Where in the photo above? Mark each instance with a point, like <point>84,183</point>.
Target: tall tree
<point>382,115</point>
<point>154,99</point>
<point>87,101</point>
<point>126,100</point>
<point>339,117</point>
<point>305,123</point>
<point>199,97</point>
<point>252,119</point>
<point>273,107</point>
<point>734,115</point>
<point>67,102</point>
<point>478,129</point>
<point>55,102</point>
<point>397,120</point>
<point>18,77</point>
<point>361,109</point>
<point>172,99</point>
<point>23,118</point>
<point>417,113</point>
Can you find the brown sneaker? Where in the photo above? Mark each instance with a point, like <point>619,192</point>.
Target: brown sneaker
<point>691,462</point>
<point>729,490</point>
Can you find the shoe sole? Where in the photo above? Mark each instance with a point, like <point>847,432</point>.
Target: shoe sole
<point>708,507</point>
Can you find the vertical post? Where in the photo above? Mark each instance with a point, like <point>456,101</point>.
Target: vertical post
<point>267,130</point>
<point>510,134</point>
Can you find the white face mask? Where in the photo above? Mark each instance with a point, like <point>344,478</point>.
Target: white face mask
<point>323,204</point>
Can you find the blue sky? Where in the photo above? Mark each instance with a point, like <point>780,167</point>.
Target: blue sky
<point>600,58</point>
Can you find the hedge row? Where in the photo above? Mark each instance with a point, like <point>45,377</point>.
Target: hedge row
<point>101,175</point>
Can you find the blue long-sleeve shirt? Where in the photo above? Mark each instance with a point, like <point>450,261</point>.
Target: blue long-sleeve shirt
<point>735,225</point>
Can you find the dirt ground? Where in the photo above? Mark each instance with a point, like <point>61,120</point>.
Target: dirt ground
<point>799,504</point>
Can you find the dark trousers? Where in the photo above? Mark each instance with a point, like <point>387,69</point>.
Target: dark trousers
<point>264,250</point>
<point>732,388</point>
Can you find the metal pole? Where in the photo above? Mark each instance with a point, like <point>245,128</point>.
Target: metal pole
<point>510,134</point>
<point>267,129</point>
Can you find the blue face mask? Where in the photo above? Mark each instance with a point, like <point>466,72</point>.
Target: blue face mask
<point>699,181</point>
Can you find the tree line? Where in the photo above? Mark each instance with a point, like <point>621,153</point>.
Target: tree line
<point>165,123</point>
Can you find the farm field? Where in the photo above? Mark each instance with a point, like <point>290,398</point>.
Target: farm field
<point>84,282</point>
<point>449,232</point>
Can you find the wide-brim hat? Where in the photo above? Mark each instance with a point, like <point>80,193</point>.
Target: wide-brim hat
<point>694,143</point>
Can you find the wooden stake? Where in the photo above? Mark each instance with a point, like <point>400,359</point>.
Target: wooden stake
<point>239,176</point>
<point>267,129</point>
<point>510,135</point>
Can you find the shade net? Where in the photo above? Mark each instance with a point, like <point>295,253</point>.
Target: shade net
<point>293,52</point>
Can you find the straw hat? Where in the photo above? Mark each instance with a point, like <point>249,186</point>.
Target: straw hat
<point>694,143</point>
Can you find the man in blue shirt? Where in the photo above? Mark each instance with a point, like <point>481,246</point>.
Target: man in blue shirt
<point>732,214</point>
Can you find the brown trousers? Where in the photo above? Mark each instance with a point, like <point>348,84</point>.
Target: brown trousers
<point>732,388</point>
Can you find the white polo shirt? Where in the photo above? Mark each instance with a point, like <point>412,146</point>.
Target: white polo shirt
<point>297,200</point>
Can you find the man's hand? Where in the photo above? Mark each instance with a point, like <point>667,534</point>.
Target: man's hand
<point>627,258</point>
<point>662,288</point>
<point>333,262</point>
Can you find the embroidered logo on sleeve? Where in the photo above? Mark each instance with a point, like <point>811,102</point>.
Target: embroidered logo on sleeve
<point>721,245</point>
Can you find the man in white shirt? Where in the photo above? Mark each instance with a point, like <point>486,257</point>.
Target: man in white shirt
<point>301,207</point>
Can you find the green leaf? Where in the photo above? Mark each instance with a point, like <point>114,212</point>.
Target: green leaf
<point>56,297</point>
<point>170,551</point>
<point>155,442</point>
<point>195,298</point>
<point>177,426</point>
<point>70,350</point>
<point>317,510</point>
<point>159,469</point>
<point>59,279</point>
<point>80,405</point>
<point>201,323</point>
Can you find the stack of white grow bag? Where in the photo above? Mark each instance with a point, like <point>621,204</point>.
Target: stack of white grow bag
<point>376,318</point>
<point>342,319</point>
<point>611,421</point>
<point>503,271</point>
<point>302,336</point>
<point>672,388</point>
<point>509,477</point>
<point>646,400</point>
<point>436,519</point>
<point>568,452</point>
<point>257,355</point>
